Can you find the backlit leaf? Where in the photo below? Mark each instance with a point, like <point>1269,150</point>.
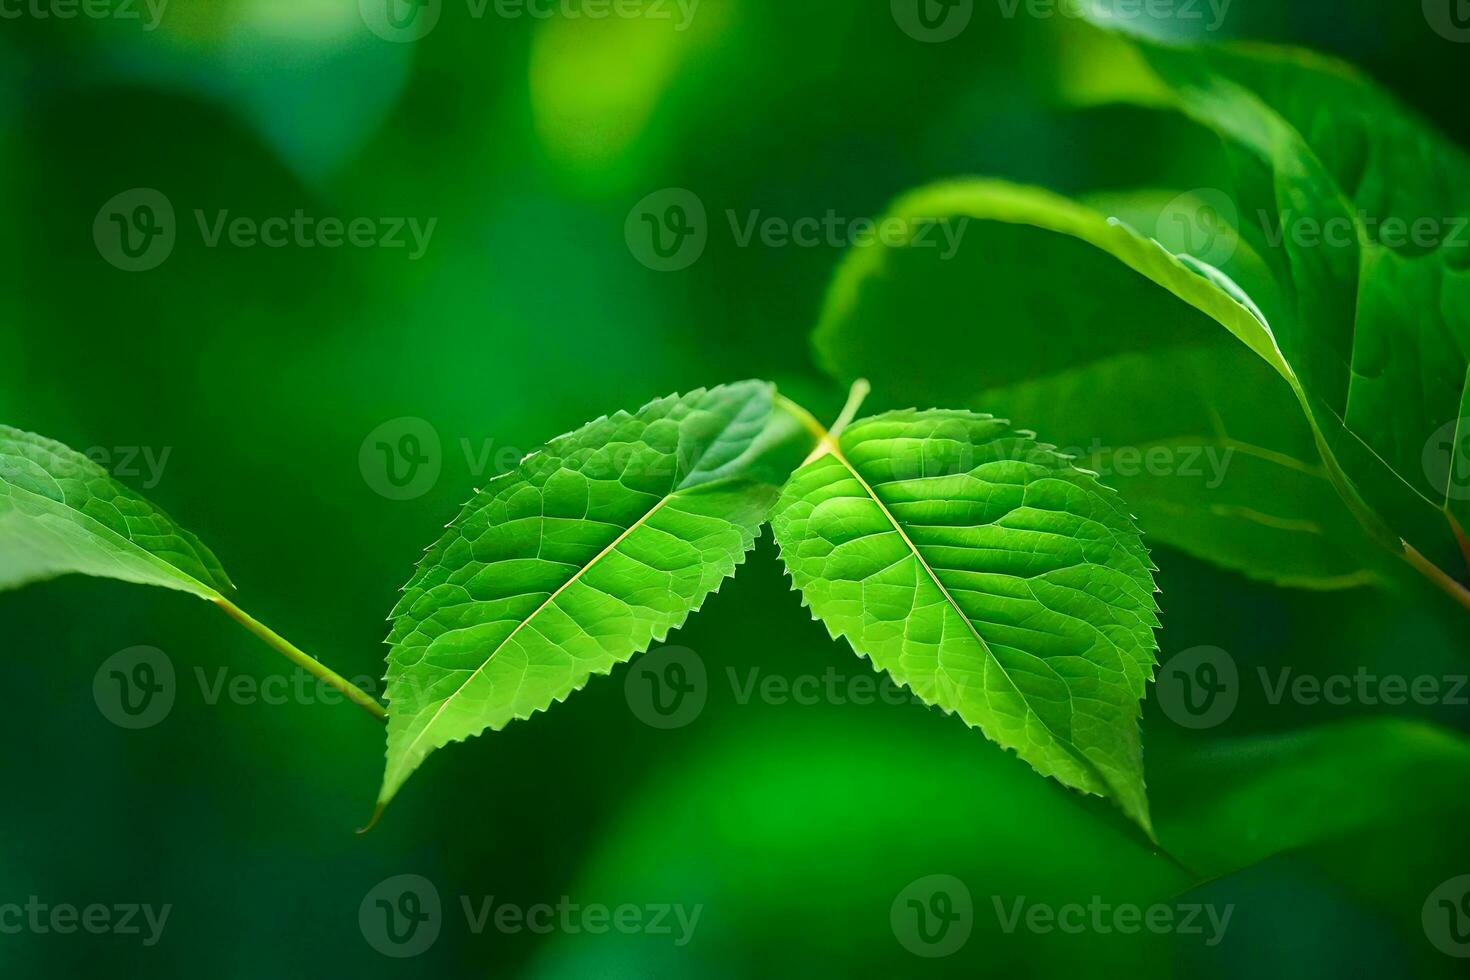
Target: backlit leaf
<point>61,513</point>
<point>595,547</point>
<point>992,577</point>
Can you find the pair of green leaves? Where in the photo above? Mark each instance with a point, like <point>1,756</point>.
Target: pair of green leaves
<point>1323,420</point>
<point>975,565</point>
<point>972,563</point>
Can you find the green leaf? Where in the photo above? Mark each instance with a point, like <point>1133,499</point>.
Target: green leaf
<point>595,547</point>
<point>61,513</point>
<point>1360,209</point>
<point>1052,312</point>
<point>1332,177</point>
<point>1196,445</point>
<point>1345,270</point>
<point>992,577</point>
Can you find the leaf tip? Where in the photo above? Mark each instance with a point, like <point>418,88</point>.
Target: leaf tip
<point>377,816</point>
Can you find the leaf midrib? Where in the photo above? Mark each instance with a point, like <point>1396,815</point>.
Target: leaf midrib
<point>536,612</point>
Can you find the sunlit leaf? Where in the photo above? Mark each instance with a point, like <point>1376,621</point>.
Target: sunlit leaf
<point>593,548</point>
<point>62,513</point>
<point>992,577</point>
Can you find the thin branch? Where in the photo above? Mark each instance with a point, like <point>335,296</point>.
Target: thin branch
<point>311,665</point>
<point>1436,575</point>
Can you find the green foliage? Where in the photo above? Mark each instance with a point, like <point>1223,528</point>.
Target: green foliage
<point>1111,361</point>
<point>992,574</point>
<point>985,572</point>
<point>592,549</point>
<point>1327,274</point>
<point>61,513</point>
<point>977,566</point>
<point>1334,185</point>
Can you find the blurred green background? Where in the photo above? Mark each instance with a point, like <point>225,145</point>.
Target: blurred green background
<point>262,373</point>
